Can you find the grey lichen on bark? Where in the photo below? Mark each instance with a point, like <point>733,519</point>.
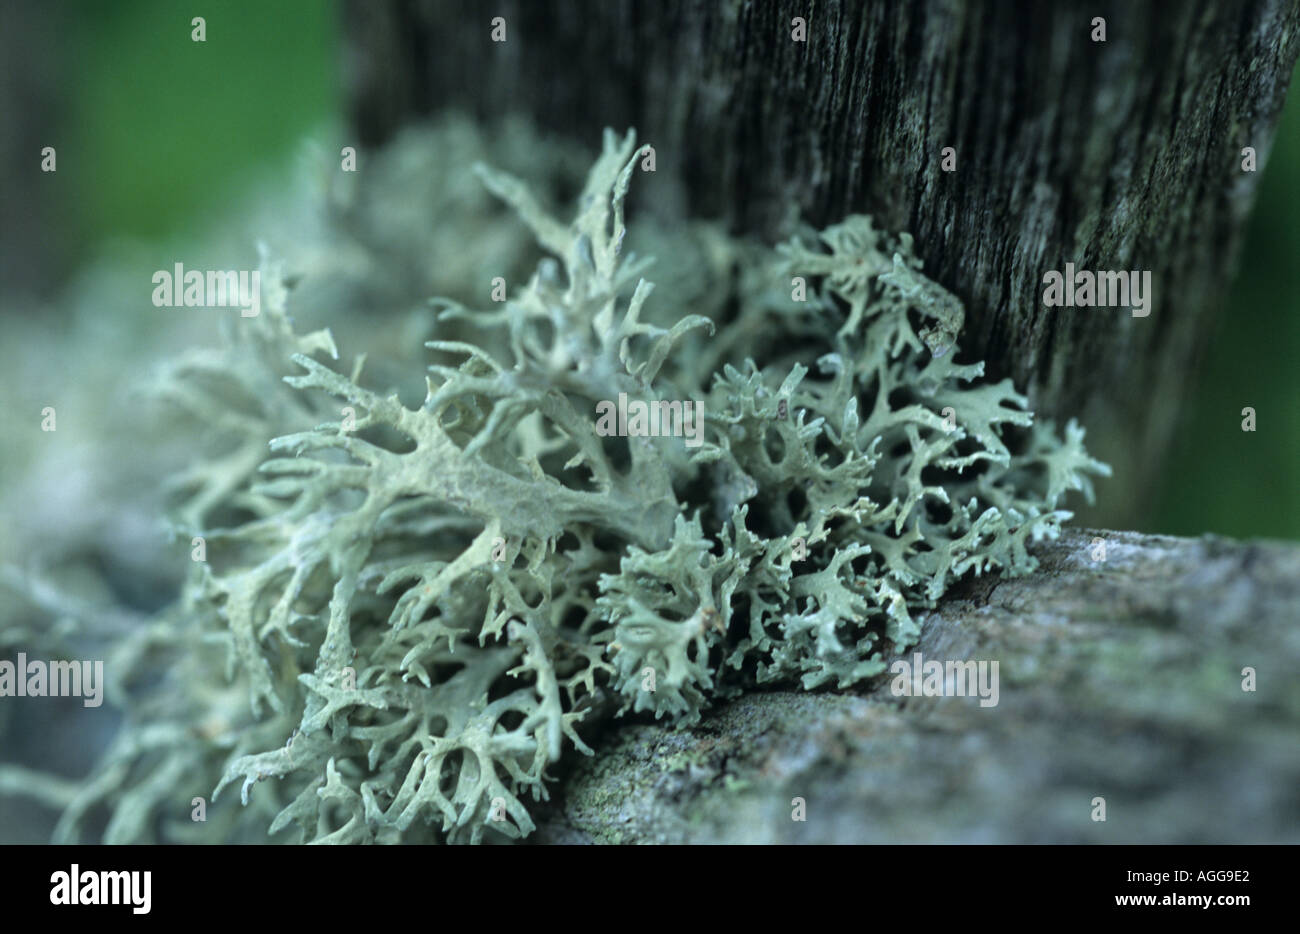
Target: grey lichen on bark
<point>1118,155</point>
<point>1122,679</point>
<point>1119,678</point>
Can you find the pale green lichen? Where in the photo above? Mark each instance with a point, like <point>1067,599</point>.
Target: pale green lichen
<point>423,602</point>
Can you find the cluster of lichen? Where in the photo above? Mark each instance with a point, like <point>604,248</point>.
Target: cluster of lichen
<point>425,602</point>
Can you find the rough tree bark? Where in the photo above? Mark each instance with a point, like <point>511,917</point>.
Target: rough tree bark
<point>1123,154</point>
<point>1120,679</point>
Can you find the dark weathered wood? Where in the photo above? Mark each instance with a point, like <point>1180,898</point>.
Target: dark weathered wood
<point>1116,155</point>
<point>1119,678</point>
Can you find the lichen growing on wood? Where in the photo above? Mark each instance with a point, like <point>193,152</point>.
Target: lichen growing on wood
<point>419,604</point>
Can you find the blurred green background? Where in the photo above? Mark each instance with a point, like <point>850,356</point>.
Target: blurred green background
<point>177,126</point>
<point>1220,479</point>
<point>155,133</point>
